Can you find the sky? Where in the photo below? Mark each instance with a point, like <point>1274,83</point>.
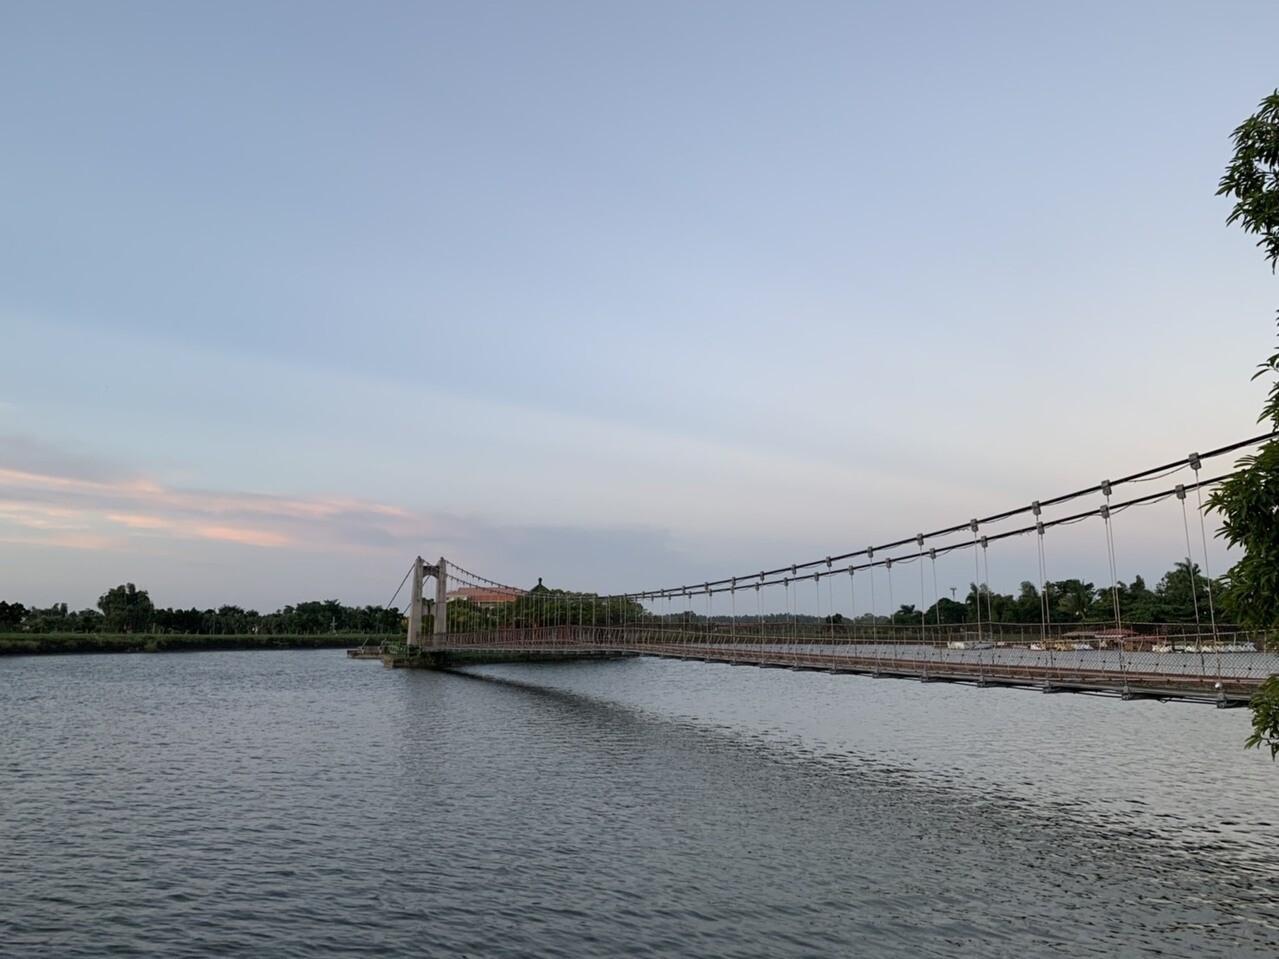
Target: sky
<point>622,295</point>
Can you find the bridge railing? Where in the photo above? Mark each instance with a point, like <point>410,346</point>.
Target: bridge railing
<point>1132,633</point>
<point>1171,656</point>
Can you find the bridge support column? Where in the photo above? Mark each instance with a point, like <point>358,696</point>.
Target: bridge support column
<point>441,603</point>
<point>415,605</point>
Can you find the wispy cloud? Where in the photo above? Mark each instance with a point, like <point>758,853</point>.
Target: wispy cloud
<point>45,498</point>
<point>64,540</point>
<point>120,523</point>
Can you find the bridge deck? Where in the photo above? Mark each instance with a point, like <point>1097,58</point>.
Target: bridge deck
<point>1227,678</point>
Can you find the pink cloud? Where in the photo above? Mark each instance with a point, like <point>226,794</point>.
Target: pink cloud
<point>66,540</point>
<point>99,511</point>
<point>137,521</point>
<point>40,517</point>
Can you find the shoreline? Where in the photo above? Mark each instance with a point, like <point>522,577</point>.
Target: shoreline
<point>62,644</point>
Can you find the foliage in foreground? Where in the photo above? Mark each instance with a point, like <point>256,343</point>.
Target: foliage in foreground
<point>1249,501</point>
<point>1265,717</point>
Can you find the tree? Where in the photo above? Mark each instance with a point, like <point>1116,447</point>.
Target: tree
<point>1249,500</point>
<point>1183,593</point>
<point>1265,717</point>
<point>906,615</point>
<point>1028,605</point>
<point>85,621</point>
<point>1252,177</point>
<point>51,620</point>
<point>11,615</point>
<point>947,612</point>
<point>126,609</point>
<point>1073,598</point>
<point>1137,603</point>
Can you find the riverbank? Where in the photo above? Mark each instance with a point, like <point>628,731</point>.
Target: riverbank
<point>53,644</point>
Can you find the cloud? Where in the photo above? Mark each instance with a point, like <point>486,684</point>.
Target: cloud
<point>64,540</point>
<point>137,521</point>
<point>37,516</point>
<point>91,506</point>
<point>46,495</point>
<point>202,546</point>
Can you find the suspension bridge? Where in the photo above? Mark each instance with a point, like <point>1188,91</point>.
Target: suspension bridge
<point>846,629</point>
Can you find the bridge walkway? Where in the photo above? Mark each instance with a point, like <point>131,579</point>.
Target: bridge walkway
<point>1227,675</point>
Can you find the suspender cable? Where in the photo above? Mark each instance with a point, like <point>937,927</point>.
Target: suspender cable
<point>1114,566</point>
<point>874,624</point>
<point>1194,592</point>
<point>985,574</point>
<point>687,617</point>
<point>1190,563</point>
<point>1114,579</point>
<point>1203,535</point>
<point>1043,578</point>
<point>789,621</point>
<point>830,596</point>
<point>923,603</point>
<point>794,616</point>
<point>985,578</point>
<point>817,585</point>
<point>732,593</point>
<point>892,612</point>
<point>977,581</point>
<point>852,602</point>
<point>932,558</point>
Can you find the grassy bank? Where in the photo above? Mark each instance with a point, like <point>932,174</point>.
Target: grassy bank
<point>45,644</point>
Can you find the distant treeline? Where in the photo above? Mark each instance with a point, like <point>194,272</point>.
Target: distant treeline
<point>1182,595</point>
<point>127,610</point>
<point>25,644</point>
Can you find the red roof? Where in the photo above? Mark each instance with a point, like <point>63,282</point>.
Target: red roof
<point>484,595</point>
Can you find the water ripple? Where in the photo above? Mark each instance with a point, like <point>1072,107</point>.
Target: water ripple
<point>299,805</point>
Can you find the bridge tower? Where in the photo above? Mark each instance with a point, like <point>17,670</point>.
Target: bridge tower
<point>441,610</point>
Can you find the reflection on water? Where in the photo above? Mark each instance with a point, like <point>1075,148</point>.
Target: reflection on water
<point>297,804</point>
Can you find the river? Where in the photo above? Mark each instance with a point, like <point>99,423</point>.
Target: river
<point>297,804</point>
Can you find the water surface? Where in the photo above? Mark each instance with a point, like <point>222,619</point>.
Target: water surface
<point>299,804</point>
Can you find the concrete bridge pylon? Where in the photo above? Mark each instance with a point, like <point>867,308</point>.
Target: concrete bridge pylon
<point>441,609</point>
